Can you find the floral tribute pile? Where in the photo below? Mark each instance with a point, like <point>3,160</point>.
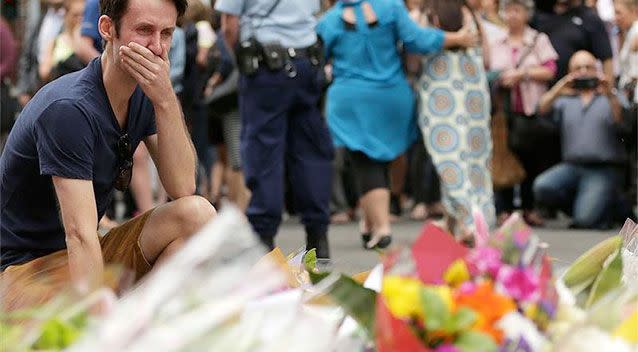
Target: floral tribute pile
<point>436,296</point>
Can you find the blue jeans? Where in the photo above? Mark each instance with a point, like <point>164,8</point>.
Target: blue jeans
<point>586,193</point>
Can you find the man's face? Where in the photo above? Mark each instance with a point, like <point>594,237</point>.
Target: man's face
<point>583,65</point>
<point>149,23</point>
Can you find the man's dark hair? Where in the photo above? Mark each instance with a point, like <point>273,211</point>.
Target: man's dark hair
<point>115,9</point>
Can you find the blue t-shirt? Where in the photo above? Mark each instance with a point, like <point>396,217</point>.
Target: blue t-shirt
<point>88,27</point>
<point>68,130</point>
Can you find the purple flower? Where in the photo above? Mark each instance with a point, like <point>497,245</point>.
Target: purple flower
<point>485,260</point>
<point>522,284</point>
<point>447,348</point>
<point>515,346</point>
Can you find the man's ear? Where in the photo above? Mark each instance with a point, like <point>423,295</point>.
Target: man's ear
<point>106,27</point>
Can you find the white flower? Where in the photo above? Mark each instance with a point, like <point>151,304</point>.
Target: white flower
<point>590,338</point>
<point>515,326</point>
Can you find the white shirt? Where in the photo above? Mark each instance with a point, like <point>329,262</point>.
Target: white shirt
<point>51,27</point>
<point>629,59</point>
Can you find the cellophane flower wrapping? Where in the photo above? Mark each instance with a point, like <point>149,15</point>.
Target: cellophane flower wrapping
<point>629,233</point>
<point>198,293</point>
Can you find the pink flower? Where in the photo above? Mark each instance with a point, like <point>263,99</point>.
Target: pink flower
<point>522,284</point>
<point>484,260</point>
<point>447,348</point>
<point>467,288</point>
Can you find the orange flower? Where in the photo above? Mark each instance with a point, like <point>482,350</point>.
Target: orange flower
<point>490,306</point>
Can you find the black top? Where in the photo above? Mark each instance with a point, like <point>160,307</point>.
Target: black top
<point>580,28</point>
<point>68,130</point>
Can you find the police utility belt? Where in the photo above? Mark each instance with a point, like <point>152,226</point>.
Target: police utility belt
<point>252,55</point>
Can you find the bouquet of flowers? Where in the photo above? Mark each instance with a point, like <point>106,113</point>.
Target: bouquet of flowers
<point>441,296</point>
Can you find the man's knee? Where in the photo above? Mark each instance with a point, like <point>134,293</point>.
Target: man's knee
<point>193,212</point>
<point>544,192</point>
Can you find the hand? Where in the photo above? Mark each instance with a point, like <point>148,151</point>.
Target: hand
<point>467,37</point>
<point>149,70</point>
<point>213,82</point>
<point>604,86</point>
<point>23,99</point>
<point>564,85</point>
<point>511,77</point>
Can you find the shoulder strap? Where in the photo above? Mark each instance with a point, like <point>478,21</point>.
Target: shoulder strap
<point>259,16</point>
<point>528,50</point>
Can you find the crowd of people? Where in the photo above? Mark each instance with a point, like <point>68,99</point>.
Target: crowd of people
<point>333,110</point>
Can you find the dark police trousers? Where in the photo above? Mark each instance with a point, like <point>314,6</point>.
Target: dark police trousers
<point>283,130</point>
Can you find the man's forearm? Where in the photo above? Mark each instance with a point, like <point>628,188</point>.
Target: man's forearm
<point>608,69</point>
<point>547,99</point>
<point>616,108</point>
<point>176,154</point>
<point>230,29</point>
<point>86,264</point>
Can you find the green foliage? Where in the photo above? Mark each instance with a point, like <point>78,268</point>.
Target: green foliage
<point>310,260</point>
<point>437,315</point>
<point>609,278</point>
<point>474,341</point>
<point>57,334</point>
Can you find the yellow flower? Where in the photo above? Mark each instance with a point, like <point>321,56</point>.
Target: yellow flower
<point>403,297</point>
<point>457,273</point>
<point>531,311</point>
<point>628,329</point>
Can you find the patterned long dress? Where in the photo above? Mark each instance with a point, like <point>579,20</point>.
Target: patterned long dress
<point>454,116</point>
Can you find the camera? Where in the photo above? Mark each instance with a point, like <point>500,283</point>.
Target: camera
<point>582,83</point>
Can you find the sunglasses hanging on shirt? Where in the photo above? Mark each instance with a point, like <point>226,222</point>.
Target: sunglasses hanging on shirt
<point>125,163</point>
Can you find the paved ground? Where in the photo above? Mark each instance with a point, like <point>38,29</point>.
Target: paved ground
<point>348,256</point>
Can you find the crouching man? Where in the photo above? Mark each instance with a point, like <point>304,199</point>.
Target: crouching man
<point>590,115</point>
<point>73,145</point>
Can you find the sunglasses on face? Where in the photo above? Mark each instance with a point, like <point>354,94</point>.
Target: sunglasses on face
<point>125,163</point>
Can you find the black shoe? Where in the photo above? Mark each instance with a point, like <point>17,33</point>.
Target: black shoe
<point>320,243</point>
<point>383,243</point>
<point>365,238</point>
<point>395,205</point>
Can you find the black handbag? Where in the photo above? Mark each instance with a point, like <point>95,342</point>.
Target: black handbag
<point>529,134</point>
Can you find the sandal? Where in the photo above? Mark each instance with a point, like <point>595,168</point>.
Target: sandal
<point>379,242</point>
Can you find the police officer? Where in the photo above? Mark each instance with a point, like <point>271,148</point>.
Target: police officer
<point>282,128</point>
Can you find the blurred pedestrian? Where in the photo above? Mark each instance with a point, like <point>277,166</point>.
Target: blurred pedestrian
<point>370,104</point>
<point>46,28</point>
<point>280,61</point>
<point>572,26</point>
<point>8,57</point>
<point>59,57</point>
<point>455,121</point>
<point>627,20</point>
<point>586,185</point>
<point>524,61</point>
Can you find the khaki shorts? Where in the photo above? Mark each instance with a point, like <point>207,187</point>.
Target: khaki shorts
<point>37,281</point>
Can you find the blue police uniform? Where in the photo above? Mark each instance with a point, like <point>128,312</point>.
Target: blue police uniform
<point>282,127</point>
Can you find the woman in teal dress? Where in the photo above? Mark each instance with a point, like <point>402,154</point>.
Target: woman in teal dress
<point>370,104</point>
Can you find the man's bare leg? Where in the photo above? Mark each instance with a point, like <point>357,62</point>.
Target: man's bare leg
<point>171,224</point>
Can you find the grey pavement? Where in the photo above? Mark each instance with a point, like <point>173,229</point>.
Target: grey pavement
<point>349,257</point>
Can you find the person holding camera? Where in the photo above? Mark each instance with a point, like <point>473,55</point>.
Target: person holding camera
<point>279,58</point>
<point>589,113</point>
